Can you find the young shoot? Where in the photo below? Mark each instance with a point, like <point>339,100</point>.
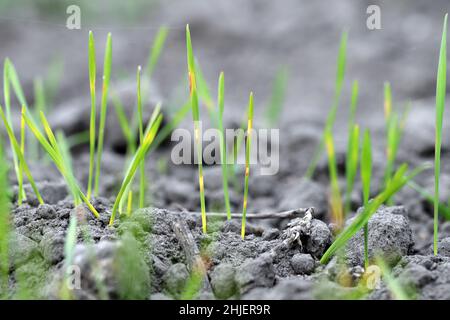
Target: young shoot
<point>223,143</point>
<point>366,176</point>
<point>92,80</point>
<point>4,223</point>
<point>196,118</point>
<point>141,138</point>
<point>10,78</point>
<point>156,50</point>
<point>21,159</point>
<point>440,105</point>
<point>335,196</point>
<point>247,162</point>
<point>51,146</point>
<point>104,107</point>
<point>351,165</point>
<point>150,133</point>
<point>351,162</point>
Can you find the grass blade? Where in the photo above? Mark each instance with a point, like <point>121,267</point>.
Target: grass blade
<point>92,80</point>
<point>196,118</point>
<point>156,50</point>
<point>4,222</point>
<point>440,105</point>
<point>135,163</point>
<point>335,197</point>
<point>366,176</point>
<point>247,162</point>
<point>103,110</point>
<point>8,73</point>
<point>223,143</point>
<point>141,138</point>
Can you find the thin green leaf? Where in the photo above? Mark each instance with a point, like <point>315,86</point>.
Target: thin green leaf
<point>440,105</point>
<point>92,80</point>
<point>247,162</point>
<point>135,163</point>
<point>103,111</point>
<point>156,50</point>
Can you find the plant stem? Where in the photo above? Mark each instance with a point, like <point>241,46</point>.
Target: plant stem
<point>440,105</point>
<point>104,108</point>
<point>223,145</point>
<point>141,139</point>
<point>92,76</point>
<point>247,162</point>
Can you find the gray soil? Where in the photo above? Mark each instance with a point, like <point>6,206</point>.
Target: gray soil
<point>142,256</point>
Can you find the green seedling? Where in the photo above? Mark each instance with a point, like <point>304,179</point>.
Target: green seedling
<point>156,50</point>
<point>196,118</point>
<point>335,196</point>
<point>92,134</point>
<point>275,106</point>
<point>366,176</point>
<point>351,165</point>
<point>52,148</point>
<point>103,110</point>
<point>351,162</point>
<point>150,133</point>
<point>18,150</point>
<point>247,161</point>
<point>223,144</point>
<point>10,78</point>
<point>394,130</point>
<point>399,179</point>
<point>340,73</point>
<point>141,138</point>
<point>440,105</point>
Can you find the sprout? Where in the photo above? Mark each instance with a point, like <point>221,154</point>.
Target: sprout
<point>440,105</point>
<point>247,162</point>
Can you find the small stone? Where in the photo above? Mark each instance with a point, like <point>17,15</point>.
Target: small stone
<point>258,272</point>
<point>175,279</point>
<point>319,238</point>
<point>222,281</point>
<point>416,275</point>
<point>52,247</point>
<point>302,263</point>
<point>22,249</point>
<point>389,235</point>
<point>46,211</point>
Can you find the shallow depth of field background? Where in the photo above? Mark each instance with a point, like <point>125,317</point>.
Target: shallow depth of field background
<point>248,39</point>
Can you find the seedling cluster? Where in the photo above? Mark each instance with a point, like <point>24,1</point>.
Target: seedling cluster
<point>151,134</point>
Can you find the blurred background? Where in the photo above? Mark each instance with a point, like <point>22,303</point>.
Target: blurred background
<point>250,40</point>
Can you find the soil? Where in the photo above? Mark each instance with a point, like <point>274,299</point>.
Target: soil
<point>145,256</point>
